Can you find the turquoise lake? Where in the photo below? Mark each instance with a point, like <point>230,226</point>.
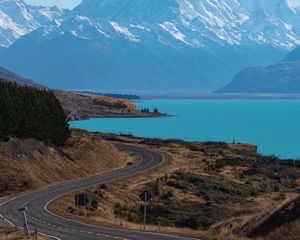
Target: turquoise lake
<point>273,125</point>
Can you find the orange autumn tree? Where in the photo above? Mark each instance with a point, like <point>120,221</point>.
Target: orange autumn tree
<point>114,103</point>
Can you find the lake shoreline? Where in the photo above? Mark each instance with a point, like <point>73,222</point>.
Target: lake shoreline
<point>219,96</point>
<point>259,122</point>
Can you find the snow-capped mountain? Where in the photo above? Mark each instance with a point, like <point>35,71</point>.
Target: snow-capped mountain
<point>192,22</point>
<point>156,44</point>
<point>18,19</point>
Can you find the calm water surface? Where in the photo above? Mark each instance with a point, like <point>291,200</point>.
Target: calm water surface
<point>273,125</point>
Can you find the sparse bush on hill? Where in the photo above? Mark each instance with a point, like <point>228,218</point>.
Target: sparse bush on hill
<point>27,112</point>
<point>227,162</point>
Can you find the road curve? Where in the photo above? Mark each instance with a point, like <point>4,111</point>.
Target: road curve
<point>58,227</point>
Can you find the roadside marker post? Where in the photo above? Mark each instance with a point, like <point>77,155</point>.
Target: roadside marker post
<point>35,234</point>
<point>230,235</point>
<point>145,210</point>
<point>25,223</point>
<point>1,222</point>
<point>158,224</point>
<point>145,196</point>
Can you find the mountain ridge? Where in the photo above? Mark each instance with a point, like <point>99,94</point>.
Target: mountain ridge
<point>155,45</point>
<point>8,76</point>
<point>283,77</point>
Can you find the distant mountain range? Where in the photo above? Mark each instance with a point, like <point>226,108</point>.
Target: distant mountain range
<point>283,77</point>
<point>148,44</point>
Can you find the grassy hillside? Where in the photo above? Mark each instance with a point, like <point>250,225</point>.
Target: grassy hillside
<point>201,190</point>
<point>30,164</point>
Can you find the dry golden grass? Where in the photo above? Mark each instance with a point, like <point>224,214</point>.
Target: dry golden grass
<point>8,232</point>
<point>30,164</point>
<point>86,154</point>
<point>179,158</point>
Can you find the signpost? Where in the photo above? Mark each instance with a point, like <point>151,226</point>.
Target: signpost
<point>145,197</point>
<point>25,223</point>
<point>81,200</point>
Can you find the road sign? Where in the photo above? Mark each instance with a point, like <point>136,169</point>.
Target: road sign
<point>145,196</point>
<point>81,200</point>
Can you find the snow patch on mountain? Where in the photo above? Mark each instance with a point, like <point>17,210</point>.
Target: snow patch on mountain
<point>140,27</point>
<point>124,31</point>
<point>172,29</point>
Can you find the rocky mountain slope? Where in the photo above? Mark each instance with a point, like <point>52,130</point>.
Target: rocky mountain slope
<point>6,75</point>
<point>156,45</point>
<point>18,19</point>
<point>283,77</point>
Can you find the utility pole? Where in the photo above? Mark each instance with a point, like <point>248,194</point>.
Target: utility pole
<point>145,209</point>
<point>145,197</point>
<point>25,223</point>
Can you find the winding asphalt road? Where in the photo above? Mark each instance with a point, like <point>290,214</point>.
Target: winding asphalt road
<point>47,223</point>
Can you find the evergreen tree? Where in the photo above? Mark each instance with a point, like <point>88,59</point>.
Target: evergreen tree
<point>27,112</point>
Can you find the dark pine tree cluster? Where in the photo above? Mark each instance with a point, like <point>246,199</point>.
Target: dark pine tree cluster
<point>146,110</point>
<point>27,112</point>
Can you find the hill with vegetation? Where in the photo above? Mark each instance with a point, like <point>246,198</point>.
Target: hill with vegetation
<point>29,164</point>
<point>202,190</point>
<point>27,112</point>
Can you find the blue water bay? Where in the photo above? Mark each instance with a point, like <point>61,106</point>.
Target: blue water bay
<point>273,125</point>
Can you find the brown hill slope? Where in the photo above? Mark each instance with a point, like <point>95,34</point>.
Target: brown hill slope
<point>202,190</point>
<point>30,164</point>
